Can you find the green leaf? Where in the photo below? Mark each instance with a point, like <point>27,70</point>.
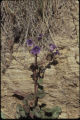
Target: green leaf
<point>56,112</point>
<point>20,111</point>
<point>51,113</point>
<point>23,114</point>
<point>47,117</point>
<point>40,90</point>
<point>25,102</point>
<point>37,112</point>
<point>37,108</point>
<point>32,114</point>
<point>52,110</point>
<point>40,87</point>
<point>56,109</point>
<point>48,110</point>
<point>2,115</point>
<point>18,107</point>
<point>40,93</point>
<point>29,97</point>
<point>29,100</point>
<point>38,115</point>
<point>42,114</point>
<point>26,108</point>
<point>40,81</point>
<point>55,115</point>
<point>17,116</point>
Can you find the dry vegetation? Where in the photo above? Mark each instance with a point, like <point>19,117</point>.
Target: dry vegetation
<point>58,21</point>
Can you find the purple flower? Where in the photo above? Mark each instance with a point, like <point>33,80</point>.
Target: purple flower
<point>40,37</point>
<point>40,34</point>
<point>29,42</point>
<point>52,46</point>
<point>35,50</point>
<point>56,53</point>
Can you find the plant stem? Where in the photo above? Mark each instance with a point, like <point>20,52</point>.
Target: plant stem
<point>35,80</point>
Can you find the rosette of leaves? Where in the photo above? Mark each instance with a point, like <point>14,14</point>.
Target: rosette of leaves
<point>45,113</point>
<point>29,110</point>
<point>38,112</point>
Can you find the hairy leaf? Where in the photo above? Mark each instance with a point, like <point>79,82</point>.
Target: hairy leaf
<point>56,112</point>
<point>37,112</point>
<point>26,108</point>
<point>42,114</point>
<point>32,114</point>
<point>40,81</point>
<point>56,109</point>
<point>29,97</point>
<point>20,111</point>
<point>40,93</point>
<point>18,108</point>
<point>38,115</point>
<point>25,102</point>
<point>55,115</point>
<point>29,100</point>
<point>48,110</point>
<point>23,114</point>
<point>18,116</point>
<point>40,87</point>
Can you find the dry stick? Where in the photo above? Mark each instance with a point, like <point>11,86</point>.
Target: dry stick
<point>11,43</point>
<point>46,21</point>
<point>75,26</point>
<point>13,14</point>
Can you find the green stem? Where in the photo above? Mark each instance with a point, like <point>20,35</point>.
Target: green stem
<point>35,80</point>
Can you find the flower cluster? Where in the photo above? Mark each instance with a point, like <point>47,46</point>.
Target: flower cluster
<point>39,37</point>
<point>29,42</point>
<point>36,49</point>
<point>54,49</point>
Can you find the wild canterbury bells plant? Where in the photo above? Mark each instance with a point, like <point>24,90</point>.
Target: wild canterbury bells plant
<point>30,108</point>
